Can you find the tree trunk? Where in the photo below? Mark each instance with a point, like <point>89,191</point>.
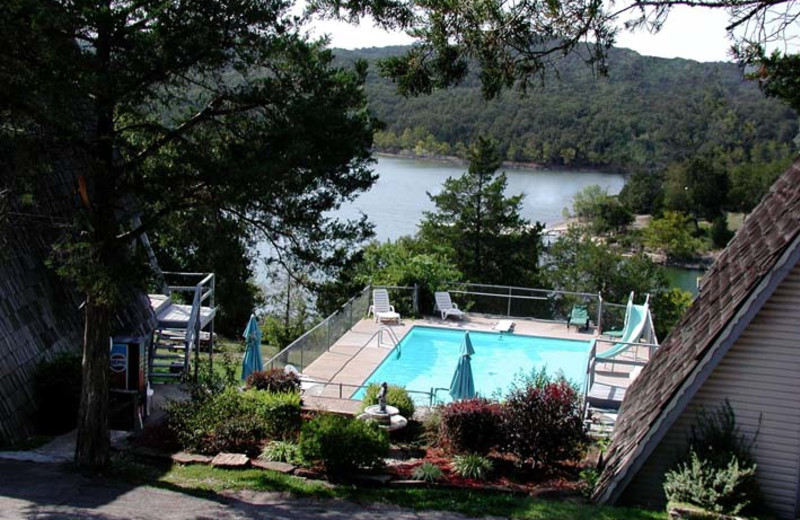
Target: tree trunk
<point>92,449</point>
<point>93,444</point>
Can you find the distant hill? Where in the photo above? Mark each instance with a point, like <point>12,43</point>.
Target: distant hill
<point>647,113</point>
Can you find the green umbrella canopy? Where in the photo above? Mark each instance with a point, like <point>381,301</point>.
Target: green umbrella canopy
<point>252,361</point>
<point>463,386</point>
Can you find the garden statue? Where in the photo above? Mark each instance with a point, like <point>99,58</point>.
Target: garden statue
<point>382,397</point>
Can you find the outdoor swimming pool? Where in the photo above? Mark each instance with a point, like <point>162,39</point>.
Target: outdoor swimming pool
<point>426,358</point>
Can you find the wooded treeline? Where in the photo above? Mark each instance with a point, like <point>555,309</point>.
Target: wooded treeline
<point>648,113</point>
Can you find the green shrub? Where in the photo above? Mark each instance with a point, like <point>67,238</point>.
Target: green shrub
<point>57,387</point>
<point>715,437</point>
<point>396,396</point>
<point>280,412</point>
<point>342,444</point>
<point>470,425</point>
<point>427,472</point>
<point>472,466</point>
<point>234,421</point>
<point>720,234</point>
<point>719,489</point>
<point>275,380</point>
<point>718,472</point>
<point>589,478</point>
<point>210,381</point>
<point>281,451</point>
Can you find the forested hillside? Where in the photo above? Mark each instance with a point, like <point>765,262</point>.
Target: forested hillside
<point>649,112</point>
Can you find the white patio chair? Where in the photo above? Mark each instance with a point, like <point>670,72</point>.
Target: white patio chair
<point>381,309</point>
<point>446,306</point>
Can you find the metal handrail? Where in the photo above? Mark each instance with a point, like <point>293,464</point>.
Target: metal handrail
<point>463,288</point>
<point>651,347</point>
<point>392,335</point>
<point>431,395</point>
<point>517,296</point>
<point>533,289</point>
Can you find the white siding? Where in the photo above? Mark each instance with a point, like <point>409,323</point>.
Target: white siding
<point>760,376</point>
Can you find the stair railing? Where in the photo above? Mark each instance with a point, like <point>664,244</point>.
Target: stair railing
<point>200,295</point>
<point>192,329</point>
<point>588,381</point>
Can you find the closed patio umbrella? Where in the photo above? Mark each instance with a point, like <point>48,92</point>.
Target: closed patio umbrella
<point>463,386</point>
<point>252,361</point>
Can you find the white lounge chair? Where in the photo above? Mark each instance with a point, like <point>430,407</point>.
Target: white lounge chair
<point>446,306</point>
<point>381,309</point>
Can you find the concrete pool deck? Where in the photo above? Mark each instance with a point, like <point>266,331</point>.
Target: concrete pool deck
<point>353,358</point>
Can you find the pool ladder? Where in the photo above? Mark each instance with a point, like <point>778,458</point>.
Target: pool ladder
<point>379,335</point>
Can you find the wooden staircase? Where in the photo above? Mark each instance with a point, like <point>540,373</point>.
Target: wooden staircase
<point>182,329</point>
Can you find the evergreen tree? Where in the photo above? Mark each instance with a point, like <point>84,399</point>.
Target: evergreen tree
<point>222,105</point>
<point>488,239</point>
<point>698,186</point>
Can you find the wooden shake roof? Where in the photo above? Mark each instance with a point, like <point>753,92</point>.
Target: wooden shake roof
<point>730,293</point>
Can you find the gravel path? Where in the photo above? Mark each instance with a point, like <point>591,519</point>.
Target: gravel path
<point>44,491</point>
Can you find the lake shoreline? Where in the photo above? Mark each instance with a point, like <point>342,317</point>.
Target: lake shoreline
<point>511,165</point>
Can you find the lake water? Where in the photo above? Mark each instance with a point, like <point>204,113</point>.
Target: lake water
<point>685,279</point>
<point>396,202</point>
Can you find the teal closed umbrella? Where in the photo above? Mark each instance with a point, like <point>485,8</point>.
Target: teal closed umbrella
<point>252,361</point>
<point>463,386</point>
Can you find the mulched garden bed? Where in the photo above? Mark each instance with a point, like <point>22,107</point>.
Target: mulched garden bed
<point>507,475</point>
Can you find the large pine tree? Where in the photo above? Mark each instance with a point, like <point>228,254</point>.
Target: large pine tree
<point>220,105</point>
<point>486,236</point>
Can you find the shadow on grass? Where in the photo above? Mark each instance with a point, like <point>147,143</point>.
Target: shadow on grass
<point>484,503</point>
<point>207,482</point>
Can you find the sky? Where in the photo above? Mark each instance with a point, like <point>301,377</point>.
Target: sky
<point>691,33</point>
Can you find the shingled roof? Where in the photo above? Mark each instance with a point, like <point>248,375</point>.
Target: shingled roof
<point>730,294</point>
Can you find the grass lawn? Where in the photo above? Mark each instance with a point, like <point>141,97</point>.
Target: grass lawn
<point>228,355</point>
<point>206,480</point>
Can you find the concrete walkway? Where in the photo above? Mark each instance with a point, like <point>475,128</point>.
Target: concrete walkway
<point>52,492</point>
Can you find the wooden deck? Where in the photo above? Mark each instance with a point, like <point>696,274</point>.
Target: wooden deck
<point>176,316</point>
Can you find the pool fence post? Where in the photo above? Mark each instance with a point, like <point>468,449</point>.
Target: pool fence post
<point>328,333</point>
<point>508,312</point>
<point>415,300</point>
<point>600,312</point>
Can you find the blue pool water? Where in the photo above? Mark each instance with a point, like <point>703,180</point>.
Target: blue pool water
<point>426,358</point>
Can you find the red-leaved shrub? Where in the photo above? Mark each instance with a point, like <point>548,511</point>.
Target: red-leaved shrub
<point>470,425</point>
<point>543,424</point>
<point>275,380</point>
